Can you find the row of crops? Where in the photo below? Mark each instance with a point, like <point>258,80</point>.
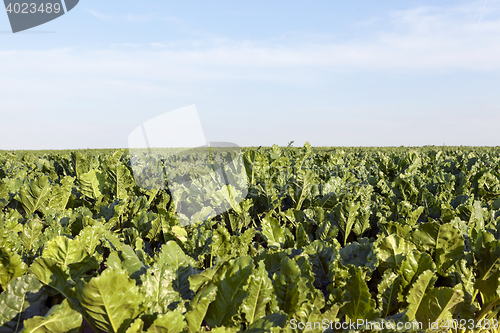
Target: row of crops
<point>324,238</point>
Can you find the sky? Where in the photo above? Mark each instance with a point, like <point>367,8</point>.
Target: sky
<point>333,73</point>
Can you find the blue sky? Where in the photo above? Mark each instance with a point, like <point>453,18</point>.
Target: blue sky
<point>334,73</point>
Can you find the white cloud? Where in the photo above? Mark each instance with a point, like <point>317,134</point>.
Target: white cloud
<point>428,39</point>
<point>130,18</point>
<point>424,39</point>
<point>100,15</point>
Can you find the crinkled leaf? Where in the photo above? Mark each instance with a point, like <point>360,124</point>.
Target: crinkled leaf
<point>167,281</point>
<point>33,195</point>
<point>24,298</point>
<point>70,255</point>
<point>171,322</point>
<point>49,272</point>
<point>417,293</point>
<point>91,184</point>
<point>273,232</point>
<point>31,234</point>
<point>64,250</point>
<point>60,319</point>
<point>437,305</point>
<point>360,304</point>
<point>290,286</point>
<point>231,292</point>
<point>388,290</point>
<point>449,247</point>
<point>59,195</point>
<point>320,255</point>
<point>412,266</point>
<point>270,323</point>
<point>91,236</point>
<point>359,254</point>
<point>391,251</point>
<point>308,314</point>
<point>111,301</point>
<point>199,305</point>
<point>11,267</point>
<point>260,293</point>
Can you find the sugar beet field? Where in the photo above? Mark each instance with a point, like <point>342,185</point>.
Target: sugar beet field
<point>323,240</point>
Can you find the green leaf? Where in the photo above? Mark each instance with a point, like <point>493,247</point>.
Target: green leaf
<point>489,253</point>
<point>437,305</point>
<point>167,281</point>
<point>197,281</point>
<point>23,299</point>
<point>301,236</point>
<point>476,221</point>
<point>270,323</point>
<point>417,293</point>
<point>230,195</point>
<point>449,247</point>
<point>225,330</point>
<point>489,289</point>
<point>33,195</point>
<point>199,305</point>
<point>91,236</point>
<point>171,322</point>
<point>91,184</point>
<point>111,301</point>
<point>327,230</point>
<point>11,267</point>
<point>292,285</point>
<point>413,218</point>
<point>48,271</point>
<point>31,234</point>
<point>308,314</point>
<point>444,242</point>
<point>360,304</point>
<point>5,196</point>
<point>131,262</point>
<point>59,195</point>
<point>346,223</point>
<point>260,293</point>
<point>392,250</point>
<point>136,326</point>
<point>231,292</point>
<point>70,255</point>
<point>122,181</point>
<point>412,266</point>
<point>425,236</point>
<point>9,231</point>
<point>60,319</point>
<point>179,233</point>
<point>65,251</point>
<point>320,255</point>
<point>359,254</point>
<point>273,232</point>
<point>179,262</point>
<point>225,247</point>
<point>388,290</point>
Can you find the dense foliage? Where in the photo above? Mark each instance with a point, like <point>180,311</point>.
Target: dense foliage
<point>386,235</point>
